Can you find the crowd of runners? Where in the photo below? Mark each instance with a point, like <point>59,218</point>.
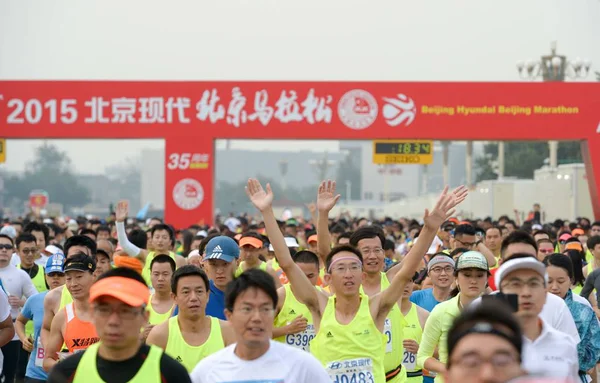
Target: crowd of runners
<point>319,300</point>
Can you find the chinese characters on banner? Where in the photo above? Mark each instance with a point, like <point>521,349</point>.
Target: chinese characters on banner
<point>240,109</point>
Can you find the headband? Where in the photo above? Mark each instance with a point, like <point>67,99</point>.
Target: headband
<point>343,259</point>
<point>485,328</point>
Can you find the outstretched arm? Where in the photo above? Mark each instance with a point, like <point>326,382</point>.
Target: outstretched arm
<point>131,249</point>
<point>458,194</point>
<point>443,209</point>
<point>263,200</point>
<point>326,200</point>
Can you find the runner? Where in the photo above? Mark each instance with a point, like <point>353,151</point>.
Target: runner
<point>293,323</point>
<point>338,343</point>
<point>191,336</point>
<point>34,311</point>
<point>546,351</point>
<point>493,241</point>
<point>73,326</point>
<point>162,237</point>
<point>59,297</point>
<point>18,286</point>
<point>102,262</point>
<point>118,299</point>
<point>415,318</point>
<point>560,274</point>
<point>7,330</point>
<point>440,270</point>
<point>471,275</point>
<point>251,304</point>
<point>484,345</point>
<point>220,262</point>
<point>251,246</point>
<point>465,236</point>
<point>161,302</point>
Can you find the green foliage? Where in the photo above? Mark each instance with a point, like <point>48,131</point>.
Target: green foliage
<point>521,159</point>
<point>51,170</point>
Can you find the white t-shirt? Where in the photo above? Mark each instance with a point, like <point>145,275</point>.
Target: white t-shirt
<point>280,364</point>
<point>557,314</point>
<point>4,313</point>
<point>16,283</point>
<point>552,354</point>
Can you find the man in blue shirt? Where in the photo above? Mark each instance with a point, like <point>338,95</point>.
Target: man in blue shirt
<point>440,270</point>
<point>220,262</point>
<point>34,310</point>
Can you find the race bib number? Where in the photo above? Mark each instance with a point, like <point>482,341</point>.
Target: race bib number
<point>351,371</point>
<point>409,361</point>
<point>39,354</point>
<point>387,330</point>
<point>302,339</point>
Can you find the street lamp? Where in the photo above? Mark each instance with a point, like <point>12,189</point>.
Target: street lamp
<point>554,67</point>
<point>283,169</point>
<point>322,166</point>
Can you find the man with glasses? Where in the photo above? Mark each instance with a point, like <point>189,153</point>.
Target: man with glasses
<point>465,237</point>
<point>250,308</point>
<point>484,345</point>
<point>440,270</point>
<point>119,298</point>
<point>546,351</point>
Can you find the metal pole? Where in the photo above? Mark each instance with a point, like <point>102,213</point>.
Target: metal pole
<point>500,159</point>
<point>469,164</point>
<point>553,147</point>
<point>445,169</point>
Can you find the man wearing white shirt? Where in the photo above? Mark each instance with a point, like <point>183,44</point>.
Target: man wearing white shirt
<point>7,329</point>
<point>546,351</point>
<point>555,311</point>
<point>251,300</point>
<point>18,286</point>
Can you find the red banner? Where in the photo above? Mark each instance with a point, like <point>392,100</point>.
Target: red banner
<point>191,115</point>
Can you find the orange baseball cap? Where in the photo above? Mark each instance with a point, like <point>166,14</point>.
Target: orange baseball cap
<point>129,262</point>
<point>574,246</point>
<point>127,290</point>
<point>312,238</point>
<point>577,232</point>
<point>251,241</point>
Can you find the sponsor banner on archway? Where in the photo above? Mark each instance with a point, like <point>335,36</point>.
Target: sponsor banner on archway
<point>191,115</point>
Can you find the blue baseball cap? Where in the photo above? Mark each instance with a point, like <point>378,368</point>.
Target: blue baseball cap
<point>55,264</point>
<point>222,247</point>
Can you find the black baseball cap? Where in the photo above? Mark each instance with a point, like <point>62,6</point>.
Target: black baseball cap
<point>80,262</point>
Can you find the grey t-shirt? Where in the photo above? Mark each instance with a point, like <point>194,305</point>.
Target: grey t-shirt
<point>592,282</point>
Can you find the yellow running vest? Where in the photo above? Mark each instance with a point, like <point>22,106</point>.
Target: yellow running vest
<point>352,352</point>
<point>40,285</point>
<point>240,269</point>
<point>157,318</point>
<point>146,269</point>
<point>394,335</point>
<point>87,372</point>
<point>189,356</point>
<point>289,311</point>
<point>65,297</point>
<point>414,331</point>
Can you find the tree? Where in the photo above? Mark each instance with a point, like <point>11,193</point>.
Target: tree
<point>521,159</point>
<point>349,171</point>
<point>51,170</point>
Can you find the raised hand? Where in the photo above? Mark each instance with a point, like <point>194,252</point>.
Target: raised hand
<point>312,207</point>
<point>122,210</point>
<point>444,208</point>
<point>260,198</point>
<point>326,197</point>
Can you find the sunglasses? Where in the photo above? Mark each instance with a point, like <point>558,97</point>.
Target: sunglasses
<point>6,246</point>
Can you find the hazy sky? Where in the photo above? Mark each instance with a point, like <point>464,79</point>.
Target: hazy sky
<point>383,40</point>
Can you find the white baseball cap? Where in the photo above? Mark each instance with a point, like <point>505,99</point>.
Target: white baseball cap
<point>289,242</point>
<point>529,263</point>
